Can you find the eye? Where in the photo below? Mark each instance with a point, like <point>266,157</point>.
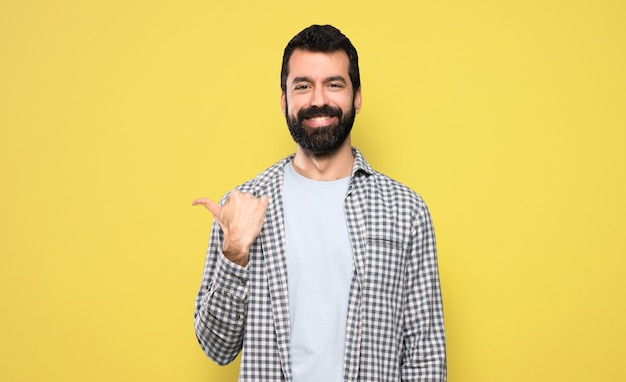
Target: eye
<point>336,85</point>
<point>301,87</point>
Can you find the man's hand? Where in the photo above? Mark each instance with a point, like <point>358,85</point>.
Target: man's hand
<point>241,218</point>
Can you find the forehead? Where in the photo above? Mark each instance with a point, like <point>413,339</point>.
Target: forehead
<point>318,65</point>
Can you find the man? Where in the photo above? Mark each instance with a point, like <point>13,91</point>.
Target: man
<point>320,268</point>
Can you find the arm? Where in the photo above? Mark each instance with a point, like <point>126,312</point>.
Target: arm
<point>221,304</point>
<point>424,348</point>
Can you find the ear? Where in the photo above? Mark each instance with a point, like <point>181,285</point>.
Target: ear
<point>283,102</point>
<point>357,101</point>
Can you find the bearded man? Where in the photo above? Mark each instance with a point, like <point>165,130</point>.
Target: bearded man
<point>321,268</point>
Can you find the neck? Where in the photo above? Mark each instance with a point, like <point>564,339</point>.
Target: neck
<point>333,166</point>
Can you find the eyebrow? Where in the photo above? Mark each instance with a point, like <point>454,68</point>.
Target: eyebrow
<point>329,79</point>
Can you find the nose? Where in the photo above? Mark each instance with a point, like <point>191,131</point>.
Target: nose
<point>318,97</point>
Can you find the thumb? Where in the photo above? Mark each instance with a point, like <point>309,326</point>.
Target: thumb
<point>211,206</point>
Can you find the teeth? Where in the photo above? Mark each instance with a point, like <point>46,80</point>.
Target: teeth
<point>319,118</point>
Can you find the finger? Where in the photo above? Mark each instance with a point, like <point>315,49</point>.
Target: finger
<point>209,205</point>
<point>265,200</point>
<point>203,201</point>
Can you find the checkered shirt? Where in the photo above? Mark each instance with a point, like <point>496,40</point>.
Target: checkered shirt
<point>395,328</point>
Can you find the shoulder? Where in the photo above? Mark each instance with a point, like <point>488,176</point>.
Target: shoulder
<point>392,191</point>
<point>266,179</point>
<point>381,188</point>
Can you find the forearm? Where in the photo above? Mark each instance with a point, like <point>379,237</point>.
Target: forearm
<point>221,308</point>
<point>424,356</point>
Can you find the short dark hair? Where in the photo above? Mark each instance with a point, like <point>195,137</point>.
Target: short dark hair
<point>325,39</point>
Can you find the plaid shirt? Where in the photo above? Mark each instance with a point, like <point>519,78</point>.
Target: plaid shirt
<point>395,326</point>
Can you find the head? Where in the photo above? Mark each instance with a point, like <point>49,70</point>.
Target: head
<point>323,39</point>
<point>321,91</point>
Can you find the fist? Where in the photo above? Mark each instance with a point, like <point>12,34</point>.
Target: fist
<point>241,219</point>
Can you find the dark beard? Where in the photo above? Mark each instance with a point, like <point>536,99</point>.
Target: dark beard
<point>321,141</point>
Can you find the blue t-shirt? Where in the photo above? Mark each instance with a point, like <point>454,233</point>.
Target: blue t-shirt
<point>319,272</point>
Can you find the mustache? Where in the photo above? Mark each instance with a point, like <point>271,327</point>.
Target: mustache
<point>315,111</point>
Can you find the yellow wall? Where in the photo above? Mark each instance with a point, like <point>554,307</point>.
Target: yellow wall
<point>508,117</point>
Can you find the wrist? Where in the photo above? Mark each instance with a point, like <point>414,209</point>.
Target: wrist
<point>237,255</point>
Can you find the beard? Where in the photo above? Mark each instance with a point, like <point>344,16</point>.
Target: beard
<point>325,140</point>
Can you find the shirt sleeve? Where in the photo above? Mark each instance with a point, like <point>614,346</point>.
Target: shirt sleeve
<point>221,304</point>
<point>424,347</point>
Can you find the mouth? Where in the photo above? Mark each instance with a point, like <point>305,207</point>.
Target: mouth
<point>320,121</point>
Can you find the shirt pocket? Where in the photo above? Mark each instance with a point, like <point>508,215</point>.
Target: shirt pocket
<point>385,271</point>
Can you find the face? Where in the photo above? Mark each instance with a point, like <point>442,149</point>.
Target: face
<point>319,102</point>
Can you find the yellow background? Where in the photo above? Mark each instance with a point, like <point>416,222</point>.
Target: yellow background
<point>509,117</point>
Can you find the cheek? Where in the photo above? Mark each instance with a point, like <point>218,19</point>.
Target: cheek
<point>344,102</point>
<point>292,107</point>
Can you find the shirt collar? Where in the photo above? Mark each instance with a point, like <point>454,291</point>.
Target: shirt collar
<point>360,165</point>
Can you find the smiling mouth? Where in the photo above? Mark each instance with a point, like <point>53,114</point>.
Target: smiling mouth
<point>320,121</point>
